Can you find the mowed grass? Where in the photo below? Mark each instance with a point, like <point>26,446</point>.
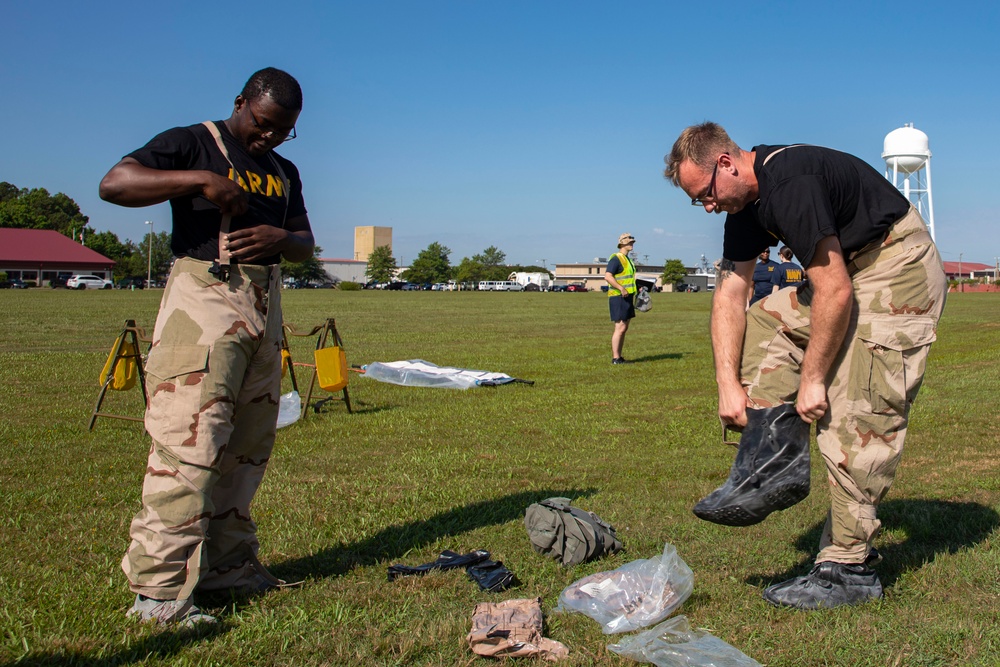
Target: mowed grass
<point>415,471</point>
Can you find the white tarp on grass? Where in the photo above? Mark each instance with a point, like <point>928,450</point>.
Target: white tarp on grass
<point>420,373</point>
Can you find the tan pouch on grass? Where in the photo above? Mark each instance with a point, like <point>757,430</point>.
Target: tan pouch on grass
<point>512,628</point>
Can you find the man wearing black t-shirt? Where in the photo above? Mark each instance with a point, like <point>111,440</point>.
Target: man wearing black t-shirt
<point>213,375</point>
<point>845,351</point>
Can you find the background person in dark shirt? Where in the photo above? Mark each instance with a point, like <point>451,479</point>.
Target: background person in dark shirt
<point>789,273</point>
<point>847,351</point>
<point>765,276</point>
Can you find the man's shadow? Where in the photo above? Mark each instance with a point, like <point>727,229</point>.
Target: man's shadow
<point>395,541</point>
<point>163,645</point>
<point>931,527</point>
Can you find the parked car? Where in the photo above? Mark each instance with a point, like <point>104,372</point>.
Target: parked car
<point>557,288</point>
<point>87,282</point>
<point>410,287</point>
<point>397,285</point>
<point>132,283</point>
<point>577,288</point>
<point>59,280</point>
<point>13,283</point>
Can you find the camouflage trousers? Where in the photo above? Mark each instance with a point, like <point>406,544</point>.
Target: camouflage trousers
<point>899,293</point>
<point>213,378</point>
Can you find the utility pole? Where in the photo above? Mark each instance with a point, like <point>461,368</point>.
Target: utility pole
<point>961,287</point>
<point>149,257</point>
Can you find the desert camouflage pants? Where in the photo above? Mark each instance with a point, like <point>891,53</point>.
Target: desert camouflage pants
<point>213,378</point>
<point>899,293</point>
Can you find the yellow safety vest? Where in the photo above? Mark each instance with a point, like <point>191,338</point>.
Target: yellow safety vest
<point>626,278</point>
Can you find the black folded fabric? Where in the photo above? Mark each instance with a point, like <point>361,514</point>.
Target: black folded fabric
<point>492,576</point>
<point>448,560</point>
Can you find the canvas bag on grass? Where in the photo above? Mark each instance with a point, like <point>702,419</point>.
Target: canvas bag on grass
<point>569,534</point>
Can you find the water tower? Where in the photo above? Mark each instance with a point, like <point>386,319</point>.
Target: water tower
<point>907,156</point>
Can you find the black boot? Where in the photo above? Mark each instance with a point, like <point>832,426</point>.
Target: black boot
<point>770,473</point>
<point>827,585</point>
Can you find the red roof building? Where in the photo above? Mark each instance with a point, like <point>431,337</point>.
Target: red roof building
<point>42,254</point>
<point>968,270</point>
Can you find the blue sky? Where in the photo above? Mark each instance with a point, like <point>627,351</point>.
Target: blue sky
<point>537,127</point>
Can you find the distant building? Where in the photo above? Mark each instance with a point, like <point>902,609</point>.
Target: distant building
<point>366,239</point>
<point>591,274</point>
<point>40,255</point>
<point>970,271</point>
<point>351,270</point>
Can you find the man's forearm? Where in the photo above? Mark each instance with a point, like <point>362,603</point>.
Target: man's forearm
<point>728,326</point>
<point>130,184</point>
<point>300,246</point>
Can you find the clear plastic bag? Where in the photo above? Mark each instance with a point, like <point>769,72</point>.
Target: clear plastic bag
<point>636,595</point>
<point>674,644</point>
<point>420,373</point>
<point>289,408</point>
<point>643,303</point>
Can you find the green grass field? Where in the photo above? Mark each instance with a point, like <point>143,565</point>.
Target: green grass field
<point>415,471</point>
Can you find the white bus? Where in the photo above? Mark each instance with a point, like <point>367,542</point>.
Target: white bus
<point>499,286</point>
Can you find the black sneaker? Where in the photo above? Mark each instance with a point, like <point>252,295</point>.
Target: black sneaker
<point>619,360</point>
<point>827,585</point>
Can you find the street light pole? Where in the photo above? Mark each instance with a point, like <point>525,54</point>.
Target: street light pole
<point>149,257</point>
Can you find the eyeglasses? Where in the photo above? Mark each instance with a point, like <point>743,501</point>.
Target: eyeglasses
<point>287,135</point>
<point>710,193</point>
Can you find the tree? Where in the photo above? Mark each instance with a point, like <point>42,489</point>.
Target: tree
<point>469,271</point>
<point>37,209</point>
<point>493,262</point>
<point>431,265</point>
<point>381,265</point>
<point>673,272</point>
<point>107,244</point>
<point>162,255</point>
<point>307,271</point>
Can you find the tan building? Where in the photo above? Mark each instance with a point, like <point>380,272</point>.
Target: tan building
<point>591,275</point>
<point>366,239</point>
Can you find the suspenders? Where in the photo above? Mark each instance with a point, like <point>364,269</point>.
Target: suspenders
<point>220,268</point>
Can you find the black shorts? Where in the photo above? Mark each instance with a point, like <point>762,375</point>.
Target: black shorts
<point>622,308</point>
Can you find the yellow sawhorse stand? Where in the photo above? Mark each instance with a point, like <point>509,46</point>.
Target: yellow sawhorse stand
<point>122,371</point>
<point>330,367</point>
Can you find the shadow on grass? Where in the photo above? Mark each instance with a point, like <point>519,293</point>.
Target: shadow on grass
<point>160,646</point>
<point>656,357</point>
<point>395,541</point>
<point>932,527</point>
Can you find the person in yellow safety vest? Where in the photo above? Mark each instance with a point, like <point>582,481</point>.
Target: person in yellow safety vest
<point>620,276</point>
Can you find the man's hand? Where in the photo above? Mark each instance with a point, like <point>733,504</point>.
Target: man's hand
<point>811,403</point>
<point>733,406</point>
<point>247,245</point>
<point>224,193</point>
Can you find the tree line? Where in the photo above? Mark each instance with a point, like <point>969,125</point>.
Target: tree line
<point>37,209</point>
<point>433,265</point>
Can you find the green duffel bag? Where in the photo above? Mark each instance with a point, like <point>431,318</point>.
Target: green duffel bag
<point>568,534</point>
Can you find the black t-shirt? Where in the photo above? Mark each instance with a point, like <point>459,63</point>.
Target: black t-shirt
<point>196,220</point>
<point>808,193</point>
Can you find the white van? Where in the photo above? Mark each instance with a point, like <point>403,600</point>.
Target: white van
<point>499,286</point>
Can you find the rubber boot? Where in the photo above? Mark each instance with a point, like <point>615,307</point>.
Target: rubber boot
<point>770,473</point>
<point>827,585</point>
